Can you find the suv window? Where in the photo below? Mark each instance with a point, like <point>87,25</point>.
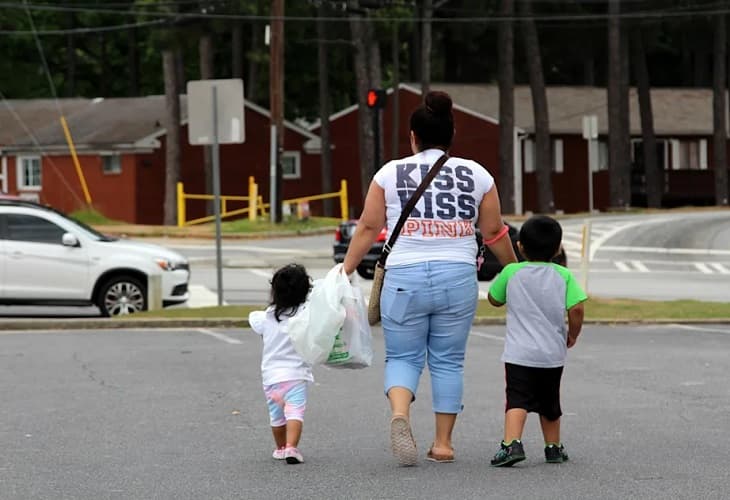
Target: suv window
<point>21,227</point>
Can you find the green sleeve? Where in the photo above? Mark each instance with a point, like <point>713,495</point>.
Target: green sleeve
<point>498,289</point>
<point>574,294</point>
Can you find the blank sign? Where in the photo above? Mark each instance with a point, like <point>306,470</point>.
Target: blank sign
<point>229,99</point>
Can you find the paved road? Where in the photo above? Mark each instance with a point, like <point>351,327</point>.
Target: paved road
<point>180,414</point>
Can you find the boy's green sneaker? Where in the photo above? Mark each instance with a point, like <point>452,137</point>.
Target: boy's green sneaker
<point>509,454</point>
<point>555,454</point>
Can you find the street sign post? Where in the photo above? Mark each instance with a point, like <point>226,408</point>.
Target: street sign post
<point>215,116</point>
<point>590,133</point>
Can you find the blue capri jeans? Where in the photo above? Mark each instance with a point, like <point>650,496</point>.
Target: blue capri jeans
<point>427,311</point>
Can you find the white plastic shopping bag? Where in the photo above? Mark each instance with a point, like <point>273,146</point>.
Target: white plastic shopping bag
<point>353,347</point>
<point>314,328</point>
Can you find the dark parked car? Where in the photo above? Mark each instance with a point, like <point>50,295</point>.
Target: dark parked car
<point>488,270</point>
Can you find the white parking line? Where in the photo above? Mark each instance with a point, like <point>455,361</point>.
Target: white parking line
<point>488,336</point>
<point>676,251</point>
<point>219,336</point>
<point>701,328</point>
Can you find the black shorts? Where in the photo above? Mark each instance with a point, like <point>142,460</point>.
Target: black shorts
<point>534,389</point>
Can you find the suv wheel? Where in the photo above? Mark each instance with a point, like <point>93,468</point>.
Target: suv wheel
<point>366,272</point>
<point>122,295</point>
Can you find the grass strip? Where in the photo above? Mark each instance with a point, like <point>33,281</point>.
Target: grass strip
<point>596,309</point>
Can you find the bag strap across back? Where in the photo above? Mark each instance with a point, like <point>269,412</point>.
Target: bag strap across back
<point>409,207</point>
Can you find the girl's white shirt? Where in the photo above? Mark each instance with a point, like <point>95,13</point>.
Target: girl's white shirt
<point>279,361</point>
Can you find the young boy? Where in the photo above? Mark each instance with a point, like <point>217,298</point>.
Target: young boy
<point>537,293</point>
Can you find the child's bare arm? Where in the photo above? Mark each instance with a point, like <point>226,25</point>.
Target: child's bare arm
<point>494,302</point>
<point>575,323</point>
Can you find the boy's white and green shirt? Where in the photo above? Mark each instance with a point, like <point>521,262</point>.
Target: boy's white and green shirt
<point>537,295</point>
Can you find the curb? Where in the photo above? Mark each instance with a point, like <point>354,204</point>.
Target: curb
<point>133,324</point>
<point>110,230</point>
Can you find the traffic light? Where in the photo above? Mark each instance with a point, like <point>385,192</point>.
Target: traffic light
<point>376,98</point>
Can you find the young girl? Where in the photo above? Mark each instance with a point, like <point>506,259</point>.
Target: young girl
<point>285,374</point>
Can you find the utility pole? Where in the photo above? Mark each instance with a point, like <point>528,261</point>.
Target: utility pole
<point>276,98</point>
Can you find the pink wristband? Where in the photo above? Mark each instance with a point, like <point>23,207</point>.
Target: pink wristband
<point>502,232</point>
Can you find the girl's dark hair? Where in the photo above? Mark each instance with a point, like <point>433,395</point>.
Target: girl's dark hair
<point>290,286</point>
<point>432,122</point>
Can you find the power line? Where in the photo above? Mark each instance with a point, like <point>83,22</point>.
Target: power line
<point>77,31</point>
<point>659,13</point>
<point>39,46</point>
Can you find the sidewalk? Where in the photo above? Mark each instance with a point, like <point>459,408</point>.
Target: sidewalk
<point>202,232</point>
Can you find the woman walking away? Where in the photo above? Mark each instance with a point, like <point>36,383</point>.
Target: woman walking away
<point>285,374</point>
<point>430,291</point>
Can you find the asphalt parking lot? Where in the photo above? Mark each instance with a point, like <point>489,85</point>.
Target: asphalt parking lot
<point>180,414</point>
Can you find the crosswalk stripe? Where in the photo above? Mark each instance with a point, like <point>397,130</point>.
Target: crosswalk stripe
<point>720,268</point>
<point>703,268</point>
<point>622,266</point>
<point>639,266</point>
<point>262,273</point>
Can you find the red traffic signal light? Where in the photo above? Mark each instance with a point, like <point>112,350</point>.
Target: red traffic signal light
<point>376,98</point>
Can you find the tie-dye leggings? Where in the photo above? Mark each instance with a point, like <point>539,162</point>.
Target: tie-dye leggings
<point>287,401</point>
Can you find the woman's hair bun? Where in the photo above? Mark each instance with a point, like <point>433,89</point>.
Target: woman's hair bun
<point>438,103</point>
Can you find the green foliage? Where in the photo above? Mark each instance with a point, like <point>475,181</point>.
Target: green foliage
<point>462,51</point>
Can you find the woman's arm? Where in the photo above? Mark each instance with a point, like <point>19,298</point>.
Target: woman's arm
<point>368,227</point>
<point>491,226</point>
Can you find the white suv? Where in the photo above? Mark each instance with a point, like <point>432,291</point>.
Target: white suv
<point>46,258</point>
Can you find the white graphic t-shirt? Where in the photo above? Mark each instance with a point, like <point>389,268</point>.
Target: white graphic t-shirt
<point>441,226</point>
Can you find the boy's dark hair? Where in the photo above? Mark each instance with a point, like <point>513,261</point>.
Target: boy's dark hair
<point>540,236</point>
<point>433,122</point>
<point>290,286</point>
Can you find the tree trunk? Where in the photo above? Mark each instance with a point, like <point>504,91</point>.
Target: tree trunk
<point>426,43</point>
<point>205,52</point>
<point>253,62</point>
<point>172,141</point>
<point>615,169</point>
<point>654,178</point>
<point>180,70</point>
<point>395,100</point>
<point>237,50</point>
<point>719,139</point>
<point>625,121</point>
<point>104,64</point>
<point>506,75</point>
<point>324,109</point>
<point>71,58</point>
<point>543,166</point>
<point>365,115</point>
<point>414,47</point>
<point>589,72</point>
<point>133,63</point>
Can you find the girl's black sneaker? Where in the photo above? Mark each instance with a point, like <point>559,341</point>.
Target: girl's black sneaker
<point>555,454</point>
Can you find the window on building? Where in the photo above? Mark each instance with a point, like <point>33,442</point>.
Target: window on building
<point>111,164</point>
<point>291,167</point>
<point>529,156</point>
<point>29,172</point>
<point>32,229</point>
<point>689,154</point>
<point>602,156</point>
<point>556,153</point>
